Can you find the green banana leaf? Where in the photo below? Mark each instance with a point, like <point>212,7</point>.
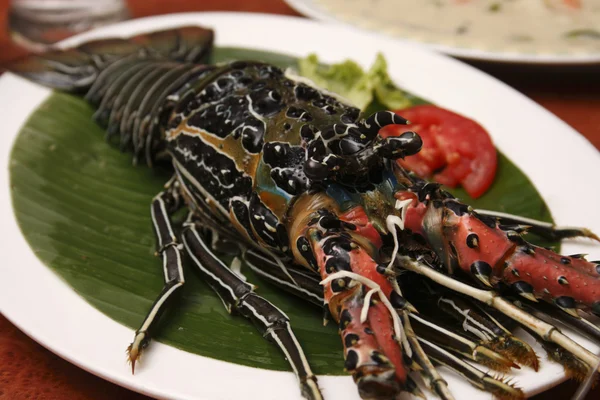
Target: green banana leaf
<point>84,209</point>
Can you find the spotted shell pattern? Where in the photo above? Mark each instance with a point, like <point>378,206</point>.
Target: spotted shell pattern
<point>242,135</point>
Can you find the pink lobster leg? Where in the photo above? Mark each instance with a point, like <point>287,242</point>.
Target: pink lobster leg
<point>357,295</point>
<point>563,279</point>
<point>494,255</point>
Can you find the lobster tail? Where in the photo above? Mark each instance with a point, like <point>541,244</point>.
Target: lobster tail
<point>76,69</point>
<point>130,81</point>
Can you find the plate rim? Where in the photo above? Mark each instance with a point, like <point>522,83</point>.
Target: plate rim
<point>143,385</point>
<point>308,8</point>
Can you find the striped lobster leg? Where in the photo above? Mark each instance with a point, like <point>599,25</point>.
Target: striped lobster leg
<point>309,289</point>
<point>163,205</point>
<point>573,367</point>
<point>305,286</point>
<point>466,318</point>
<point>467,348</point>
<point>500,387</point>
<point>420,357</point>
<point>238,295</point>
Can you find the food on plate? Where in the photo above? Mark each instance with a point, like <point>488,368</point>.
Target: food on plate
<point>521,26</point>
<point>303,183</point>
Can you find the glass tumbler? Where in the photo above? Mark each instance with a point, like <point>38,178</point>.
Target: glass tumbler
<point>38,23</point>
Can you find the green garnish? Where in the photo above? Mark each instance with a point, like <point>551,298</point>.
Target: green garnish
<point>349,80</point>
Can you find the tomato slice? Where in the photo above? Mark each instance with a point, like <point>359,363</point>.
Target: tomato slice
<point>456,150</point>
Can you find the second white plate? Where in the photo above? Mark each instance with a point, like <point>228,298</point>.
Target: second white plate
<point>484,50</point>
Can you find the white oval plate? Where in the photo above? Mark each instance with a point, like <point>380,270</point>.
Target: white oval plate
<point>560,162</point>
<point>312,8</point>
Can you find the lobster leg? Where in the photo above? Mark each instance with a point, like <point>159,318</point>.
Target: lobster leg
<point>465,318</point>
<point>459,344</point>
<point>495,336</point>
<point>546,331</point>
<point>163,205</point>
<point>358,297</point>
<point>501,388</point>
<point>439,384</point>
<point>546,230</point>
<point>306,286</point>
<point>238,295</point>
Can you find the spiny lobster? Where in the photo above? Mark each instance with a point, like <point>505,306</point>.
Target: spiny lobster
<point>320,207</point>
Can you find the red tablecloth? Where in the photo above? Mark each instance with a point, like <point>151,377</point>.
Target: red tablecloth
<point>28,371</point>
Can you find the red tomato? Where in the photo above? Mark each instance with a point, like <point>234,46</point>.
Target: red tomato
<point>455,149</point>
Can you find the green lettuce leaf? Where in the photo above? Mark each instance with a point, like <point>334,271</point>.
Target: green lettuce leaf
<point>350,81</point>
<point>386,92</point>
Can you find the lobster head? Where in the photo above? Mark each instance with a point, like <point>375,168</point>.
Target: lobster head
<point>350,153</point>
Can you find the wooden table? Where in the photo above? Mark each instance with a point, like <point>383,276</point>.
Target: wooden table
<point>28,371</point>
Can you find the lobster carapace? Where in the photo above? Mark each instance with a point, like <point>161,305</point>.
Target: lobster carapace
<point>317,204</point>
